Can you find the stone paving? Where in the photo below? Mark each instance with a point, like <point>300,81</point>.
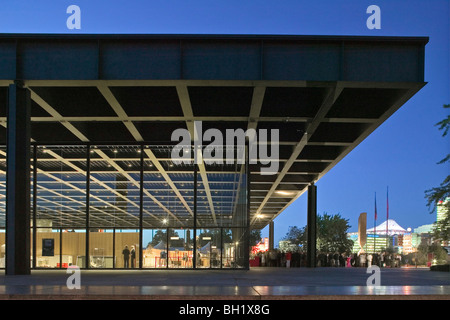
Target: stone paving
<point>254,284</point>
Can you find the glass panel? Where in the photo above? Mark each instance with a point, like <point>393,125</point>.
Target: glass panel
<point>2,187</point>
<point>168,190</point>
<point>115,186</point>
<point>61,185</point>
<point>127,248</point>
<point>229,249</point>
<point>208,248</point>
<point>221,194</point>
<point>74,248</point>
<point>48,248</point>
<point>31,247</point>
<point>2,206</point>
<point>234,248</point>
<point>2,248</point>
<point>181,245</point>
<point>101,248</point>
<point>154,242</point>
<point>115,203</point>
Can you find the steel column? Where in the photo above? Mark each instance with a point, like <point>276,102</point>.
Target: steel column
<point>271,235</point>
<point>312,227</point>
<point>18,181</point>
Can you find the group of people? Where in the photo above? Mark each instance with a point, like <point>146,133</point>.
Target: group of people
<point>295,259</point>
<point>277,258</point>
<point>383,259</point>
<point>127,254</point>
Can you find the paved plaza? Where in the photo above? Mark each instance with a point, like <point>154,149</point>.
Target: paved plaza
<point>253,284</point>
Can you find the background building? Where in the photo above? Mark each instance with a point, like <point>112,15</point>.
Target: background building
<point>442,209</point>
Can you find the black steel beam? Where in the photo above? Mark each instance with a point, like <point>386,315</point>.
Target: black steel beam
<point>210,57</point>
<point>88,205</point>
<point>35,163</point>
<point>18,181</point>
<point>194,256</point>
<point>141,206</point>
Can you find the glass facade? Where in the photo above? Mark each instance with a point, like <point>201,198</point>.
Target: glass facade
<point>131,206</point>
<point>2,206</point>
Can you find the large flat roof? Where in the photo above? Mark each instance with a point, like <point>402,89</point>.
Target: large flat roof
<point>325,94</point>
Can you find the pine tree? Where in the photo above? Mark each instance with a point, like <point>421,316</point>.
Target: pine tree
<point>437,194</point>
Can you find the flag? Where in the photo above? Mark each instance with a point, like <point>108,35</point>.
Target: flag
<point>376,213</point>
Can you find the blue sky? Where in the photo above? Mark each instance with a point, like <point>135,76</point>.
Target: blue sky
<point>402,153</point>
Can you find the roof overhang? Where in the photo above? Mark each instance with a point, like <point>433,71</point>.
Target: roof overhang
<point>325,94</point>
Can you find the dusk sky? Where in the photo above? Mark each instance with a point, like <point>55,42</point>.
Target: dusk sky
<point>401,154</point>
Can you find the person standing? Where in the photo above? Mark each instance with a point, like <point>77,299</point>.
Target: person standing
<point>362,260</point>
<point>336,259</point>
<point>288,259</point>
<point>349,261</point>
<point>126,257</point>
<point>133,257</point>
<point>369,260</point>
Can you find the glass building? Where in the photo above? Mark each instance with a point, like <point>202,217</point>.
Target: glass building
<point>86,172</point>
<point>89,202</point>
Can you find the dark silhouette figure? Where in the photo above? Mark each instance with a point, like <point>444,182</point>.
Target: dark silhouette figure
<point>126,257</point>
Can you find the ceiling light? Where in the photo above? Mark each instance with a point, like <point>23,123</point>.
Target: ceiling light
<point>284,193</point>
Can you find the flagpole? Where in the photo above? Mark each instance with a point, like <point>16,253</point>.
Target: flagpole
<point>387,216</point>
<point>375,227</point>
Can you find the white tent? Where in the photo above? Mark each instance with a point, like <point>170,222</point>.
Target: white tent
<point>392,226</point>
